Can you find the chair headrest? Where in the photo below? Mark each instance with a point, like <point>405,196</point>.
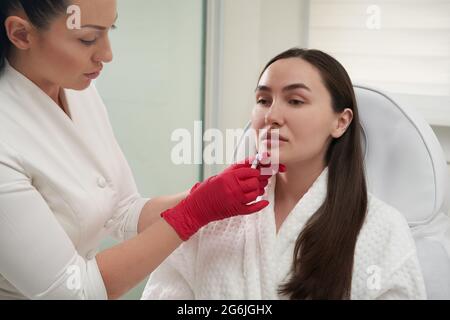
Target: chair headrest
<point>405,164</point>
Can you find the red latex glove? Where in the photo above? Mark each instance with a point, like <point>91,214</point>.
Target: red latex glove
<point>220,197</point>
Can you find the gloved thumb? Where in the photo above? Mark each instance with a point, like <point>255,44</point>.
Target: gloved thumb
<point>255,207</point>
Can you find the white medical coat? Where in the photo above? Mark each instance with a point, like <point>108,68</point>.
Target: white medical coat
<point>64,186</point>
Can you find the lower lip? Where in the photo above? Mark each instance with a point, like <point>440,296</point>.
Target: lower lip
<point>92,76</point>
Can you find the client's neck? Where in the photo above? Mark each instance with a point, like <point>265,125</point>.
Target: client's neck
<point>293,184</point>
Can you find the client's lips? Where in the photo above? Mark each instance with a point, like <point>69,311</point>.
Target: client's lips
<point>93,75</point>
<point>279,136</point>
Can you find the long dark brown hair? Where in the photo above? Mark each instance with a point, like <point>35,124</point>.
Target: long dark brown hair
<point>324,250</point>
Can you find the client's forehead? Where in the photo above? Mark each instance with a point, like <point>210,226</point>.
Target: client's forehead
<point>287,72</point>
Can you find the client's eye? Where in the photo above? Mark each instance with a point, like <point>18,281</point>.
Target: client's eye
<point>296,102</point>
<point>262,102</point>
<point>88,42</point>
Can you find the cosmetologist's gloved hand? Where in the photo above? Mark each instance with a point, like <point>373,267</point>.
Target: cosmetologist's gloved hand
<point>219,197</point>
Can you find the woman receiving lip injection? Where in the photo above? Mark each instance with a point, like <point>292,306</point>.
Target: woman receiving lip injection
<point>64,182</point>
<point>323,236</point>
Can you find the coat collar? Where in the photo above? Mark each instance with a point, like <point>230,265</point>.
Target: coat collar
<point>24,88</point>
<point>77,136</point>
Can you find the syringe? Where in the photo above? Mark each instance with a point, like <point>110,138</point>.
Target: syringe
<point>257,160</point>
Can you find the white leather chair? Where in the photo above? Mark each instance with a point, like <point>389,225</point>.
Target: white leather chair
<point>406,168</point>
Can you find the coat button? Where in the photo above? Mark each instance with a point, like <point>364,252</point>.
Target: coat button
<point>101,182</point>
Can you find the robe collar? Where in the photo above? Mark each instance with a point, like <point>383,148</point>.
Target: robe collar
<point>264,247</point>
<point>308,205</point>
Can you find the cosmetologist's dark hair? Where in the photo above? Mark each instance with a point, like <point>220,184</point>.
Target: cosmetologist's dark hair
<point>39,12</point>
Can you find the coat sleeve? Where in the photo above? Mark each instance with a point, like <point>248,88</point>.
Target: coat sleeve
<point>36,255</point>
<point>174,279</point>
<point>131,203</point>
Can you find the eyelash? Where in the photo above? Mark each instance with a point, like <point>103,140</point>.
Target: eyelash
<point>88,43</point>
<point>294,102</point>
<point>262,101</point>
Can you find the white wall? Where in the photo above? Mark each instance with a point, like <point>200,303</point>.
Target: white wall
<point>253,32</point>
<point>154,86</point>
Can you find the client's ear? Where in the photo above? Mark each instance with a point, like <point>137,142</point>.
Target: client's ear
<point>343,121</point>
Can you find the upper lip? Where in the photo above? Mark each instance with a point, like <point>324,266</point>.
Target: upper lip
<point>281,137</point>
<point>98,71</point>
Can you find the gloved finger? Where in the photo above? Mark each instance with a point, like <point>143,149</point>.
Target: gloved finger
<point>263,184</point>
<point>195,187</point>
<point>251,196</point>
<point>246,173</point>
<point>263,177</point>
<point>263,165</point>
<point>249,185</point>
<point>255,207</point>
<point>248,160</point>
<point>246,163</point>
<point>261,191</point>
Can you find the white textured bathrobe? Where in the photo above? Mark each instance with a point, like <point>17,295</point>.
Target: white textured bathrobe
<point>64,186</point>
<point>244,258</point>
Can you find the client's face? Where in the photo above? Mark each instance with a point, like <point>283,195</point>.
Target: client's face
<point>291,97</point>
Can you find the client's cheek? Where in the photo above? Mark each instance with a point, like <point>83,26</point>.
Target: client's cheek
<point>257,122</point>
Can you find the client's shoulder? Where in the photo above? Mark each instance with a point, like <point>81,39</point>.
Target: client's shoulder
<point>384,213</point>
<point>386,225</point>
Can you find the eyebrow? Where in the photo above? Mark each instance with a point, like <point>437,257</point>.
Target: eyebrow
<point>100,27</point>
<point>287,88</point>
